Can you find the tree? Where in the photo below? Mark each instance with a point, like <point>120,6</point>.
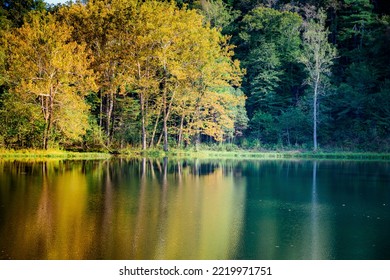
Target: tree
<point>21,123</point>
<point>156,54</point>
<point>183,56</point>
<point>361,74</point>
<point>317,57</point>
<point>270,45</point>
<point>358,22</point>
<point>294,126</point>
<point>45,67</point>
<point>92,25</point>
<point>218,14</point>
<point>16,10</point>
<point>2,63</point>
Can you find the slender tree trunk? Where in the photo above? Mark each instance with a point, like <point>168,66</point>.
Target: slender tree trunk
<point>143,136</point>
<point>315,104</point>
<point>44,107</point>
<point>110,108</point>
<point>45,138</point>
<point>288,137</point>
<point>101,115</point>
<point>47,108</point>
<point>197,135</point>
<point>179,140</point>
<point>160,138</point>
<point>165,127</point>
<point>167,111</point>
<point>47,134</point>
<point>151,144</point>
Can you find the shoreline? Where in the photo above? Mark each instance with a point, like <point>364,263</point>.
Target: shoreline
<point>203,154</point>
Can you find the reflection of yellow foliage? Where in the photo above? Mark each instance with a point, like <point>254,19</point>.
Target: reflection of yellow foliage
<point>72,238</point>
<point>204,219</point>
<point>155,216</point>
<point>53,221</point>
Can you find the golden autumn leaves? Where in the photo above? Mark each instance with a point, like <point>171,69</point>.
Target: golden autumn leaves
<point>179,71</point>
<point>47,69</point>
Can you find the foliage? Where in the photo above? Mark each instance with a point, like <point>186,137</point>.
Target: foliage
<point>166,60</point>
<point>218,13</point>
<point>128,74</point>
<point>21,124</point>
<point>271,43</point>
<point>56,78</point>
<point>13,12</point>
<point>317,57</point>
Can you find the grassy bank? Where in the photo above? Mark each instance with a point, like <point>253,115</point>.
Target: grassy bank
<point>176,153</point>
<point>51,153</point>
<point>286,155</point>
<point>245,154</point>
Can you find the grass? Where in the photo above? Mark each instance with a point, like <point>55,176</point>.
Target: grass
<point>179,153</point>
<point>281,155</point>
<point>248,154</point>
<point>50,153</point>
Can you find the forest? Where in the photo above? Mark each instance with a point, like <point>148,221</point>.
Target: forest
<point>110,75</point>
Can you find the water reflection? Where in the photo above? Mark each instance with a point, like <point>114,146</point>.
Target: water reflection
<point>184,209</point>
<point>125,209</point>
<point>315,242</point>
<point>321,246</point>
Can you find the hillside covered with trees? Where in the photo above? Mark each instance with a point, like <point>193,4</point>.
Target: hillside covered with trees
<point>272,74</point>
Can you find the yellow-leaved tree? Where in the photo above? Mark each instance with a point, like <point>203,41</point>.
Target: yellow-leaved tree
<point>95,25</point>
<point>193,66</point>
<point>46,68</point>
<point>175,69</point>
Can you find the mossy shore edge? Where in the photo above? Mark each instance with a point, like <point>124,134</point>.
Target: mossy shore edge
<point>204,154</point>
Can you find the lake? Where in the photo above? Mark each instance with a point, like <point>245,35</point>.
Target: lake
<point>194,209</point>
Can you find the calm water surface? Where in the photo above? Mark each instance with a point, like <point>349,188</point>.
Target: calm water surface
<point>194,209</point>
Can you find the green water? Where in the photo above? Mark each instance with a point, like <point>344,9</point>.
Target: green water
<point>194,209</point>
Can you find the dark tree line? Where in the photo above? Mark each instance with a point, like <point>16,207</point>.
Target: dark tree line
<point>353,112</point>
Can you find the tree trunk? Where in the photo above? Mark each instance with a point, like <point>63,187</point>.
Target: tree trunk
<point>101,115</point>
<point>151,144</point>
<point>110,108</point>
<point>166,110</point>
<point>159,139</point>
<point>179,140</point>
<point>288,137</point>
<point>165,127</point>
<point>47,108</point>
<point>45,138</point>
<point>143,136</point>
<point>197,135</point>
<point>315,104</point>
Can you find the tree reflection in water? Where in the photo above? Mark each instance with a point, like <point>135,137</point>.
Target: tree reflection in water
<point>121,209</point>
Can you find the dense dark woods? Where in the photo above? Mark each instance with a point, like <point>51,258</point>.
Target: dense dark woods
<point>261,74</point>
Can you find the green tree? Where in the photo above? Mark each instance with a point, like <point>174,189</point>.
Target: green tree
<point>263,127</point>
<point>21,123</point>
<point>218,13</point>
<point>317,57</point>
<point>357,24</point>
<point>361,74</point>
<point>269,50</point>
<point>294,126</point>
